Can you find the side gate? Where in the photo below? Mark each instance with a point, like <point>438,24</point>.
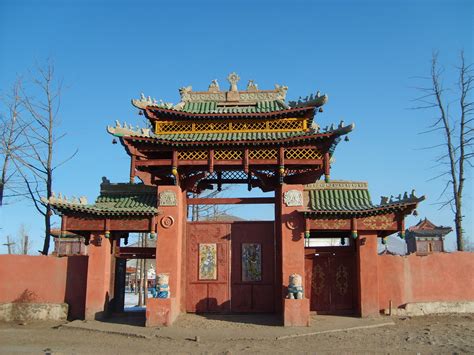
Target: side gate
<point>331,279</point>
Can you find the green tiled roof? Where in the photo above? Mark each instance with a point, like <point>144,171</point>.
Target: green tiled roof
<point>114,200</point>
<point>340,200</point>
<point>350,198</point>
<point>212,107</point>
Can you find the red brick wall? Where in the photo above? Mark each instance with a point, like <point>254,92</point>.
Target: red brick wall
<point>44,279</point>
<point>435,277</point>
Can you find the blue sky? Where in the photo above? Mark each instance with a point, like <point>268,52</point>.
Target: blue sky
<point>364,54</point>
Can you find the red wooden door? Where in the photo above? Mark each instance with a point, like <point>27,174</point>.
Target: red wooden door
<point>330,279</point>
<point>208,246</point>
<point>253,267</point>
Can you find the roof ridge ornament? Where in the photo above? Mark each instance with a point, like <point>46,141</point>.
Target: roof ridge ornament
<point>233,79</point>
<point>317,100</point>
<point>214,86</point>
<point>127,130</point>
<point>384,200</point>
<point>252,86</point>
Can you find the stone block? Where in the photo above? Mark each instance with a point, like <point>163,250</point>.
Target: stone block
<point>424,308</point>
<point>296,312</point>
<point>161,312</point>
<point>33,311</point>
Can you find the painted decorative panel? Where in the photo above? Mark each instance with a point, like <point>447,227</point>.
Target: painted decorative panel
<point>251,262</point>
<point>208,261</point>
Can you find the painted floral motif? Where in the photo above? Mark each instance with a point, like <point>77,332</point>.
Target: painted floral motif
<point>208,261</point>
<point>332,223</point>
<point>318,280</point>
<point>378,222</point>
<point>342,280</point>
<point>251,262</point>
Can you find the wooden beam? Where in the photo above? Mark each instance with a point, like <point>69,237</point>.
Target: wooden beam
<point>246,160</point>
<point>211,160</point>
<point>231,201</point>
<point>132,168</point>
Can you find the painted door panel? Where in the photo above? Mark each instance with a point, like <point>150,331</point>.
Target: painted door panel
<point>330,279</point>
<point>241,278</point>
<point>253,267</point>
<point>209,291</point>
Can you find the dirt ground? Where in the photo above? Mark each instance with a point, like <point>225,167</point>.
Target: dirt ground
<point>221,335</point>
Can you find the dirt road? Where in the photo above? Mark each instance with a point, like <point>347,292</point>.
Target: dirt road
<point>429,334</point>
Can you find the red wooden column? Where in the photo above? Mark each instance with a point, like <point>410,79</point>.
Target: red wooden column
<point>169,255</point>
<point>98,277</point>
<point>290,227</point>
<point>367,267</point>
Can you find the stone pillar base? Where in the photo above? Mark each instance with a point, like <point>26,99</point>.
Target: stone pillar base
<point>161,312</point>
<point>296,313</point>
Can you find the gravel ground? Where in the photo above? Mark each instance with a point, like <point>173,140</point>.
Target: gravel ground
<point>429,334</point>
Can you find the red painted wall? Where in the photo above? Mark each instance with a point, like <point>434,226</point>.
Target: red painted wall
<point>44,279</point>
<point>435,277</point>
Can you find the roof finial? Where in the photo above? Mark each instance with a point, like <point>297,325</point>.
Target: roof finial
<point>252,86</point>
<point>233,79</point>
<point>214,86</point>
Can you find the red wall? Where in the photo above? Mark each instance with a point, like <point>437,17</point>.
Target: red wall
<point>435,277</point>
<point>44,279</point>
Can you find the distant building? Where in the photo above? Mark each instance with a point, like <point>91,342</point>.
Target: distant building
<point>425,237</point>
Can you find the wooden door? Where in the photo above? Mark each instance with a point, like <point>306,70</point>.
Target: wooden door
<point>253,267</point>
<point>330,279</point>
<point>208,246</point>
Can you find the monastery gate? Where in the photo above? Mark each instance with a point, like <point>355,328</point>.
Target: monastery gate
<point>255,138</point>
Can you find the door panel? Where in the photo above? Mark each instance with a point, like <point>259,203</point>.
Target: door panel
<point>208,267</point>
<point>330,279</point>
<point>253,267</point>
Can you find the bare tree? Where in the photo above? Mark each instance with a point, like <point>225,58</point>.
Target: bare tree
<point>36,162</point>
<point>22,245</point>
<point>208,212</point>
<point>455,125</point>
<point>9,244</point>
<point>12,128</point>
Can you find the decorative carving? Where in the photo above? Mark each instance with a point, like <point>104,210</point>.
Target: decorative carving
<point>293,198</point>
<point>318,280</point>
<point>167,222</point>
<point>214,86</point>
<point>338,185</point>
<point>311,100</point>
<point>281,92</point>
<point>167,198</point>
<point>295,287</point>
<point>162,286</point>
<point>143,102</point>
<point>384,200</point>
<point>233,79</point>
<point>60,199</point>
<point>252,86</point>
<point>126,130</point>
<point>342,280</point>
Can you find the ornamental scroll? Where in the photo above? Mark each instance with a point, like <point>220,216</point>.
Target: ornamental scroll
<point>293,198</point>
<point>167,198</point>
